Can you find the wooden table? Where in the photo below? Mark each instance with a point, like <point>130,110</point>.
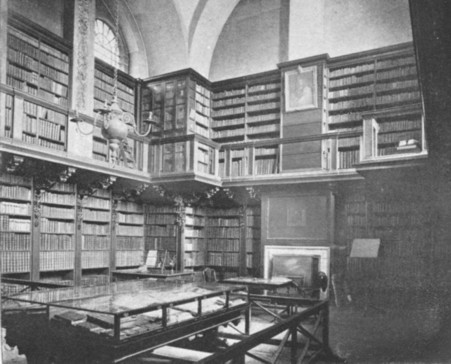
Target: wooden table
<point>270,284</point>
<point>127,274</point>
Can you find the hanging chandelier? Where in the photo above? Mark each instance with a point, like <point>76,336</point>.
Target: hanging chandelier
<point>116,123</point>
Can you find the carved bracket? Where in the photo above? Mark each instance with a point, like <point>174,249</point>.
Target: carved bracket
<point>14,163</point>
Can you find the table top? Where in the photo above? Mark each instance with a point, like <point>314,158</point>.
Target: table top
<point>139,272</point>
<point>276,282</point>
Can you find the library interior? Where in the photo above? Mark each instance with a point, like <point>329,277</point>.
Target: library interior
<point>240,181</point>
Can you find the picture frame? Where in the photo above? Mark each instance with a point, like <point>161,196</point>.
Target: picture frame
<point>301,88</point>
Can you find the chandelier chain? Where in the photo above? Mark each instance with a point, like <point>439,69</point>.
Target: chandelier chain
<point>116,31</point>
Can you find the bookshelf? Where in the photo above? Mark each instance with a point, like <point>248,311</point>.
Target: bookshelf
<point>160,231</point>
<point>246,110</point>
<point>223,234</point>
<point>252,236</point>
<point>57,232</point>
<point>44,126</point>
<point>229,114</point>
<point>199,108</point>
<point>194,244</point>
<point>381,82</point>
<point>37,68</point>
<point>180,103</point>
<point>104,88</point>
<point>266,159</point>
<point>129,234</point>
<point>9,109</point>
<point>16,225</point>
<point>96,238</point>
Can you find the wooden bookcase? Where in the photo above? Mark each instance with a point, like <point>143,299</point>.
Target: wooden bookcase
<point>369,84</point>
<point>37,67</point>
<point>224,232</point>
<point>129,234</point>
<point>96,238</point>
<point>194,237</point>
<point>247,109</point>
<point>104,87</point>
<point>16,225</point>
<point>160,231</point>
<point>253,237</point>
<point>180,103</point>
<point>57,233</point>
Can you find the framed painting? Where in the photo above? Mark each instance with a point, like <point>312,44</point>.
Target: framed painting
<point>301,89</point>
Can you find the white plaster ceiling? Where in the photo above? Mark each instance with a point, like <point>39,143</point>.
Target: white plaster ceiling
<point>178,34</point>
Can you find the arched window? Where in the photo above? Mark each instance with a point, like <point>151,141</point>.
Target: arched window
<point>108,47</point>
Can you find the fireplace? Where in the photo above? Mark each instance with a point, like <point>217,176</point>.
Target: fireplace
<point>297,261</point>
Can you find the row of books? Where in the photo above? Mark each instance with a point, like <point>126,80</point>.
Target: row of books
<point>95,259</point>
<point>15,192</point>
<point>413,96</point>
<point>396,85</point>
<point>229,102</point>
<point>52,226</point>
<point>99,146</point>
<point>253,220</point>
<point>265,166</point>
<point>130,218</point>
<point>263,107</point>
<point>53,86</point>
<point>204,100</point>
<point>395,137</point>
<point>159,230</point>
<point>272,128</point>
<point>227,122</point>
<point>195,220</point>
<point>363,102</point>
<point>264,97</point>
<point>16,181</point>
<point>23,59</point>
<point>352,92</point>
<point>56,242</point>
<point>395,62</point>
<point>96,229</point>
<point>397,73</point>
<point>350,81</point>
<point>348,158</point>
<point>194,233</point>
<point>23,74</point>
<point>54,74</point>
<point>129,206</point>
<point>202,90</point>
<point>163,219</point>
<point>95,242</point>
<point>14,261</point>
<point>223,259</point>
<point>154,209</point>
<point>230,245</point>
<point>232,212</point>
<point>96,215</point>
<point>391,207</point>
<point>130,230</point>
<point>224,221</point>
<point>57,212</point>
<point>46,54</point>
<point>228,133</point>
<point>343,71</point>
<point>96,203</point>
<point>229,93</point>
<point>11,224</point>
<point>228,112</point>
<point>58,198</point>
<point>63,187</point>
<point>14,241</point>
<point>263,87</point>
<point>200,119</point>
<point>273,117</point>
<point>130,243</point>
<point>129,258</point>
<point>344,117</point>
<point>98,74</point>
<point>56,260</point>
<point>399,125</point>
<point>223,232</point>
<point>160,243</point>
